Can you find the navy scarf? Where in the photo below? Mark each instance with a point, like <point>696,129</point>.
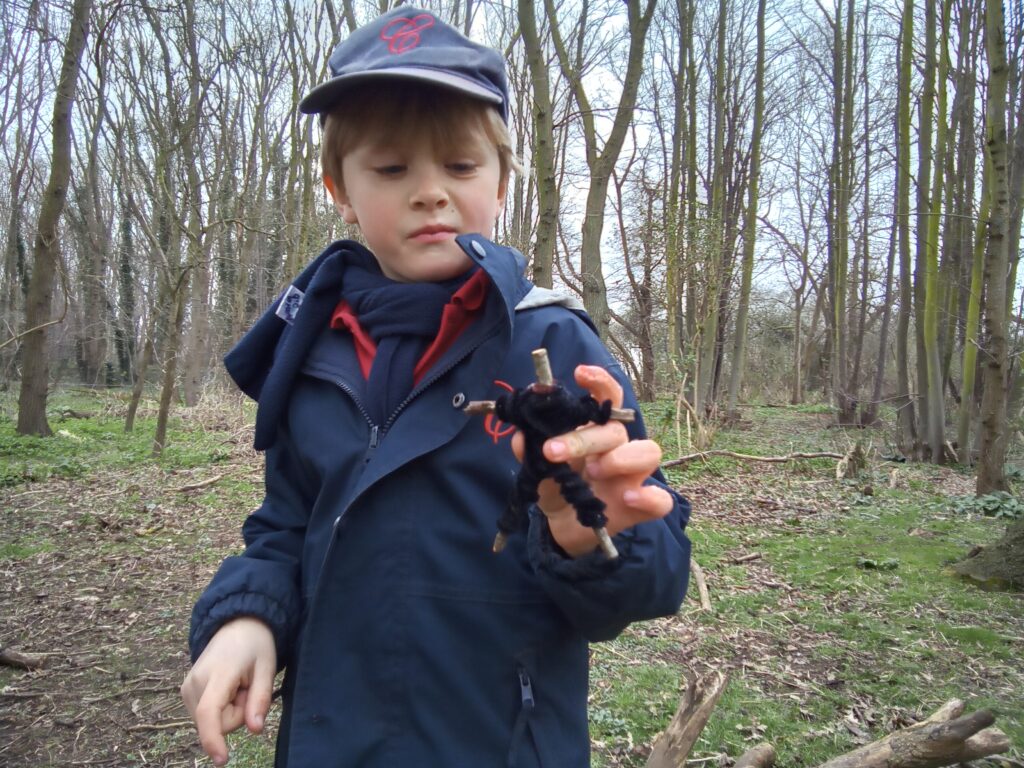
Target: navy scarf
<point>402,318</point>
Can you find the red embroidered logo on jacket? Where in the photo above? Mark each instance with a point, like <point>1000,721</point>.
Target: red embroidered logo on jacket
<point>403,34</point>
<point>494,426</point>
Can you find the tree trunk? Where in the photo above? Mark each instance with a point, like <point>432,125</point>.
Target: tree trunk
<point>970,358</point>
<point>907,424</point>
<point>46,253</point>
<point>601,161</point>
<point>675,216</point>
<point>992,432</point>
<point>714,264</point>
<point>543,150</point>
<point>926,121</point>
<point>750,224</point>
<point>171,349</point>
<point>936,412</point>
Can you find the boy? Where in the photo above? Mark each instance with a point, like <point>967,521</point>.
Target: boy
<point>368,573</point>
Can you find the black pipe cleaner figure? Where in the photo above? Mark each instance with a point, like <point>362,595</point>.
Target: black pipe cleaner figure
<point>543,410</point>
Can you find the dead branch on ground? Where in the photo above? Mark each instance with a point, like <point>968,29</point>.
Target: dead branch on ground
<point>747,457</point>
<point>674,745</point>
<point>702,587</point>
<point>11,658</point>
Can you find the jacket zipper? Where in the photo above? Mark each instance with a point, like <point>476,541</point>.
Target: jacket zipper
<point>375,436</point>
<point>527,705</point>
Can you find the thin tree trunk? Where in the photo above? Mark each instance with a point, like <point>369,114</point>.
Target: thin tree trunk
<point>865,283</point>
<point>171,349</point>
<point>677,196</point>
<point>926,121</point>
<point>46,253</point>
<point>970,358</point>
<point>936,411</point>
<point>601,161</point>
<point>991,436</point>
<point>715,265</point>
<point>869,415</point>
<point>543,148</point>
<point>907,423</point>
<point>750,225</point>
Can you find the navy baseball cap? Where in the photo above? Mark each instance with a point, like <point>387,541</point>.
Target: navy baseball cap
<point>411,44</point>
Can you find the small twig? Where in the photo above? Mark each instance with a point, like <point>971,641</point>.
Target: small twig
<point>747,558</point>
<point>702,587</point>
<point>542,367</point>
<point>202,484</point>
<point>161,726</point>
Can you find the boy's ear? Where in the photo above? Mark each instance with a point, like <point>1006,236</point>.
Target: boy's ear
<point>341,202</point>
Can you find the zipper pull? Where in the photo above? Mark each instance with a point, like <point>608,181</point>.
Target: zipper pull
<point>373,436</point>
<point>526,689</point>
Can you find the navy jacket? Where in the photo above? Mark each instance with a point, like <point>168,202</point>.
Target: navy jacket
<point>406,641</point>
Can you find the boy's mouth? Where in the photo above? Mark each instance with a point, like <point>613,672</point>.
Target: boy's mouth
<point>433,233</point>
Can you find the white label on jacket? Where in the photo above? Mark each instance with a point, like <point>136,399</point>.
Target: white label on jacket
<point>289,306</point>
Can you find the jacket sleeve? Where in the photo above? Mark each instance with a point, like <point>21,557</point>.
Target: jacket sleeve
<point>262,582</point>
<point>649,578</point>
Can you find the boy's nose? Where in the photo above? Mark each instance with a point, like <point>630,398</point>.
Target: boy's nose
<point>429,193</point>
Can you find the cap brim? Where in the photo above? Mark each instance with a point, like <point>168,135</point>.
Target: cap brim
<point>325,97</point>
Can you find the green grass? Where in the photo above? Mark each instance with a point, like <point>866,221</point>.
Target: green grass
<point>80,447</point>
<point>865,619</point>
<point>875,626</point>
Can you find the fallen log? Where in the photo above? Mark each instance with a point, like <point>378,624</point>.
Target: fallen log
<point>945,738</point>
<point>675,743</point>
<point>12,658</point>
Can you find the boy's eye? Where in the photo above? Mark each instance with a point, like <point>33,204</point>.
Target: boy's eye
<point>389,170</point>
<point>462,167</point>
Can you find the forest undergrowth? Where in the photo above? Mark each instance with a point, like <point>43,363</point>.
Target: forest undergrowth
<point>834,611</point>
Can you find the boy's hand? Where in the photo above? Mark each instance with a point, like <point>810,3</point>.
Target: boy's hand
<point>231,684</point>
<point>613,466</point>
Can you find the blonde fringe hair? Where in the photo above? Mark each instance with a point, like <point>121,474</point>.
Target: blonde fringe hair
<point>400,113</point>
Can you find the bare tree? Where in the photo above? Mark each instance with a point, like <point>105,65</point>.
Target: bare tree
<point>46,252</point>
<point>543,146</point>
<point>600,160</point>
<point>750,223</point>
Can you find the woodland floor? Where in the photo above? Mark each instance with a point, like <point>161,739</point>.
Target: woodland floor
<point>835,614</point>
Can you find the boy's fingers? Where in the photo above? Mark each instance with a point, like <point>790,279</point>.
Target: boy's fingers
<point>652,499</point>
<point>585,441</point>
<point>214,717</point>
<point>638,457</point>
<point>257,702</point>
<point>600,384</point>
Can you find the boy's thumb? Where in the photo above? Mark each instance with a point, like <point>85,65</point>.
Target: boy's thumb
<point>257,703</point>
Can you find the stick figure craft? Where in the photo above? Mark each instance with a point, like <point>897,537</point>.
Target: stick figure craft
<point>540,411</point>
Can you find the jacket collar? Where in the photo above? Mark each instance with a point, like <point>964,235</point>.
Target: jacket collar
<point>265,361</point>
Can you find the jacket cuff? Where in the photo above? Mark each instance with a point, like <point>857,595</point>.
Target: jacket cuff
<point>548,557</point>
<point>207,619</point>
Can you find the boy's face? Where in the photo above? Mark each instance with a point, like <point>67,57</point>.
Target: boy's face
<point>411,201</point>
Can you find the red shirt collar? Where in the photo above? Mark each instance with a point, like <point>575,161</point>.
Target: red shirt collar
<point>458,314</point>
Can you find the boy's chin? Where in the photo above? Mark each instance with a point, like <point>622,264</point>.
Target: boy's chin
<point>429,270</point>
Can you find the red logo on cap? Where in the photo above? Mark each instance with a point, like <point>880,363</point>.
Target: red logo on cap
<point>403,34</point>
